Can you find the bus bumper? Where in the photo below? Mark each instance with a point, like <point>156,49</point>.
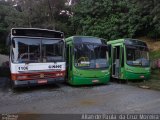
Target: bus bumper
<point>137,76</point>
<point>77,80</point>
<point>23,83</point>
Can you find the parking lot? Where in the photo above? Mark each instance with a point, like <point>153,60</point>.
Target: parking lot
<point>61,98</point>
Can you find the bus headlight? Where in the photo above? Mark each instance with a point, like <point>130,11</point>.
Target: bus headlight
<point>19,77</point>
<point>107,73</point>
<point>129,70</point>
<point>59,74</point>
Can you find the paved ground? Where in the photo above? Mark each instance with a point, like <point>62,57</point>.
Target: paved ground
<point>60,98</point>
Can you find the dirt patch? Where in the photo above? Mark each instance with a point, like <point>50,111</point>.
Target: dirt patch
<point>150,84</point>
<point>87,102</point>
<point>152,44</point>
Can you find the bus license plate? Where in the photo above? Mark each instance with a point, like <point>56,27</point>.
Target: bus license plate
<point>95,81</point>
<point>42,81</point>
<point>142,76</point>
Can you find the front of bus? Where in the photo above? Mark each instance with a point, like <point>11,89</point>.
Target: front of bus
<point>36,60</point>
<point>137,60</point>
<point>90,61</point>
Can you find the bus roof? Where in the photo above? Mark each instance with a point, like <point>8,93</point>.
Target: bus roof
<point>125,41</point>
<point>36,32</point>
<point>116,41</point>
<point>70,39</point>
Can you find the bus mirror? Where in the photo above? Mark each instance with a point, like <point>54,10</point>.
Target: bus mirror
<point>107,55</point>
<point>13,43</point>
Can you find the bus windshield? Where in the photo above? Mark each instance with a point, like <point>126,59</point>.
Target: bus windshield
<point>29,50</point>
<point>90,56</point>
<point>137,56</point>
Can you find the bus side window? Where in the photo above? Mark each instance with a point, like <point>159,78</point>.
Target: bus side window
<point>122,62</point>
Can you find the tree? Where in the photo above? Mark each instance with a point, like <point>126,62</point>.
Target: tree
<point>10,16</point>
<point>114,19</point>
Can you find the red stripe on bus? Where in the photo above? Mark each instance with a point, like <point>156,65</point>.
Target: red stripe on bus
<point>38,75</point>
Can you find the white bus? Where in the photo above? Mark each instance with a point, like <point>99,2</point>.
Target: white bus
<point>36,56</point>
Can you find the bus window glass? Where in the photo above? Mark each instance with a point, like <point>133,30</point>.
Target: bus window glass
<point>101,56</point>
<point>84,55</point>
<point>28,50</point>
<point>52,50</point>
<point>89,55</point>
<point>137,56</point>
<point>79,40</point>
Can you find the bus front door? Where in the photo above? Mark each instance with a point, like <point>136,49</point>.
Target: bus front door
<point>116,62</point>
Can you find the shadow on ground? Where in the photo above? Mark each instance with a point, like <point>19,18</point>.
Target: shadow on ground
<point>5,86</point>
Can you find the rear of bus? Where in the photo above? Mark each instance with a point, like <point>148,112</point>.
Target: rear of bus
<point>36,56</point>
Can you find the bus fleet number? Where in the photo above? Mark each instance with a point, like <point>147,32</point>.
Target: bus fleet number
<point>23,68</point>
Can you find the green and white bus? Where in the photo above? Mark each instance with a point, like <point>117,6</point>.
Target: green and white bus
<point>129,59</point>
<point>87,60</point>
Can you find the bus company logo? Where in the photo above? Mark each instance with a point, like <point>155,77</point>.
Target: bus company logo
<point>41,75</point>
<point>55,66</point>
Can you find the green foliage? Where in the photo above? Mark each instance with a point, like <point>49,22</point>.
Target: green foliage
<point>154,55</point>
<point>32,13</point>
<point>4,49</point>
<point>112,19</point>
<point>4,10</point>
